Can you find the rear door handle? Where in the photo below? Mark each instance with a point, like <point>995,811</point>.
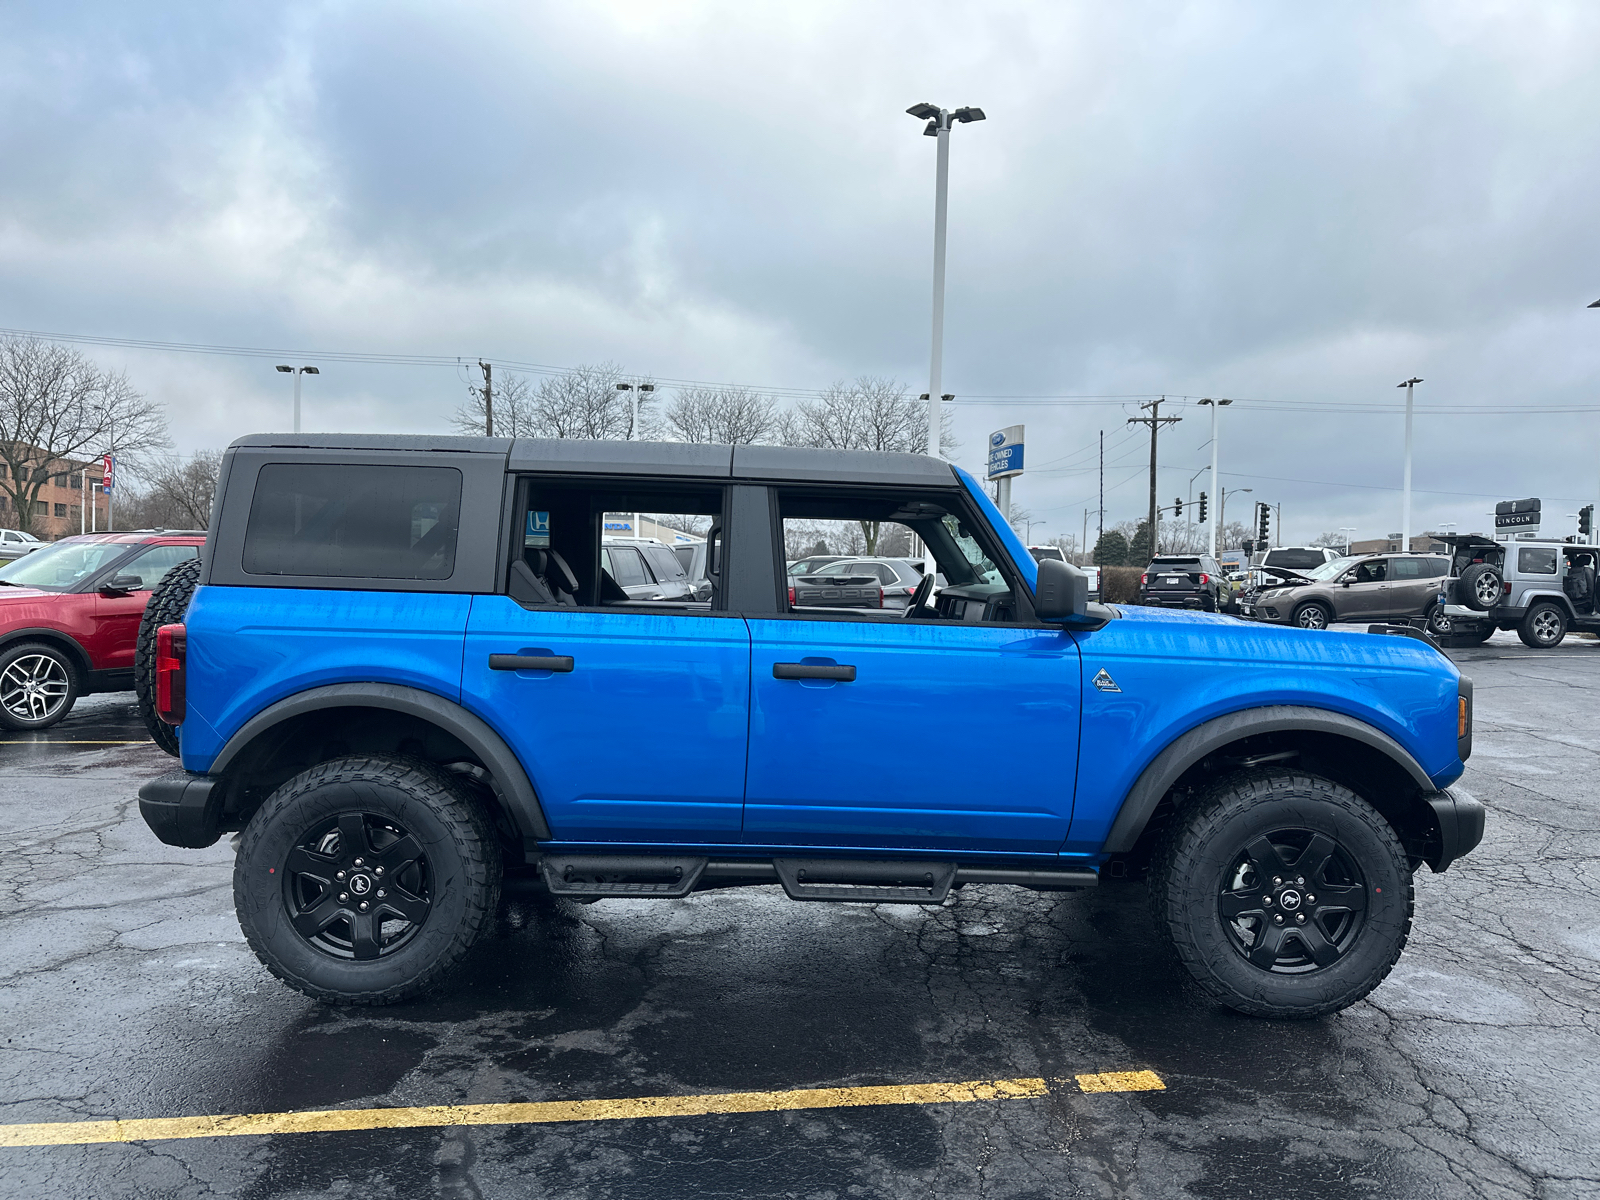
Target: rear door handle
<point>530,662</point>
<point>844,674</point>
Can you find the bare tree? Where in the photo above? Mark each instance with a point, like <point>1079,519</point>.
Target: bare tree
<point>585,403</point>
<point>731,416</point>
<point>513,408</point>
<point>870,414</point>
<point>56,406</point>
<point>178,495</point>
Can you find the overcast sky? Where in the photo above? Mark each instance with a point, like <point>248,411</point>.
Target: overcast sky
<point>1298,205</point>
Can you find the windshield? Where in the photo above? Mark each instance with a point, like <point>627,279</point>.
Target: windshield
<point>61,566</point>
<point>1329,570</point>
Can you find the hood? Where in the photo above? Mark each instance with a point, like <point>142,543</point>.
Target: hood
<point>23,593</point>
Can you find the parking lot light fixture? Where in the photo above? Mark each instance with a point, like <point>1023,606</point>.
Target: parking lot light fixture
<point>297,372</point>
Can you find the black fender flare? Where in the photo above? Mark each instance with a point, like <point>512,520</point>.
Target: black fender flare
<point>1157,779</point>
<point>56,637</point>
<point>473,732</point>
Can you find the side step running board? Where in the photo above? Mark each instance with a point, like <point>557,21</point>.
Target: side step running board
<point>660,877</point>
<point>874,881</point>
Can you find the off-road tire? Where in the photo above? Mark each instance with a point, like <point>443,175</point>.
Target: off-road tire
<point>50,668</point>
<point>461,852</point>
<point>1314,611</point>
<point>1481,586</point>
<point>1544,626</point>
<point>1198,853</point>
<point>168,603</point>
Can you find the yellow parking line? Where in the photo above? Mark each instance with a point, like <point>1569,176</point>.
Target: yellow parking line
<point>79,1133</point>
<point>1122,1081</point>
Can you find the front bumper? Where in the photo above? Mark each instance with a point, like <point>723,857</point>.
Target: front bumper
<point>183,809</point>
<point>1459,820</point>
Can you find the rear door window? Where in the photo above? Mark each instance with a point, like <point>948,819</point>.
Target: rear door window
<point>1536,560</point>
<point>346,521</point>
<point>665,564</point>
<point>156,562</point>
<point>1408,568</point>
<point>627,568</point>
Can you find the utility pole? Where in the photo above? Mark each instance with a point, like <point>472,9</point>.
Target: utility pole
<point>1155,420</point>
<point>1405,499</point>
<point>488,398</point>
<point>1085,546</point>
<point>1100,520</point>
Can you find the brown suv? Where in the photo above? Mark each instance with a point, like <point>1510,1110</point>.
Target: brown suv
<point>1378,587</point>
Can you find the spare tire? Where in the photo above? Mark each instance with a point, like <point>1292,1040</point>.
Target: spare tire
<point>168,602</point>
<point>1481,586</point>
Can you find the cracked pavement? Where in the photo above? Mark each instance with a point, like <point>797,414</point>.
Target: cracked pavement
<point>126,990</point>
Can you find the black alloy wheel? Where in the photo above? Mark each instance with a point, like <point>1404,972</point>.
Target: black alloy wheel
<point>1283,894</point>
<point>365,880</point>
<point>357,886</point>
<point>1292,901</point>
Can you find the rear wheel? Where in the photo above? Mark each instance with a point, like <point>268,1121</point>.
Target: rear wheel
<point>1543,627</point>
<point>1439,621</point>
<point>168,603</point>
<point>1312,615</point>
<point>38,686</point>
<point>1283,895</point>
<point>1481,586</point>
<point>365,880</point>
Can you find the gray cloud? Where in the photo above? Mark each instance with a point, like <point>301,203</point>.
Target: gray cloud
<point>1300,206</point>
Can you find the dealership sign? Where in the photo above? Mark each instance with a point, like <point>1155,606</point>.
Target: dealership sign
<point>1005,452</point>
<point>1517,516</point>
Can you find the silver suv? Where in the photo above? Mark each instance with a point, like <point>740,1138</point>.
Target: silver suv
<point>1540,588</point>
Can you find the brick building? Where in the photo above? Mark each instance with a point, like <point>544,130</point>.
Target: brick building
<point>61,499</point>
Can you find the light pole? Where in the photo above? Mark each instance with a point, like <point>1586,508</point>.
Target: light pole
<point>1347,530</point>
<point>636,393</point>
<point>1216,406</point>
<point>1405,498</point>
<point>1596,304</point>
<point>1222,507</point>
<point>939,125</point>
<point>297,372</point>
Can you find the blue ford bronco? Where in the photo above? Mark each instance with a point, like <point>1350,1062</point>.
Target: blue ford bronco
<point>402,670</point>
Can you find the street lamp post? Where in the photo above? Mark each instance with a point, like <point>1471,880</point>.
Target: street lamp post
<point>1347,530</point>
<point>1215,406</point>
<point>1405,499</point>
<point>1596,304</point>
<point>636,393</point>
<point>938,126</point>
<point>297,372</point>
<point>1222,507</point>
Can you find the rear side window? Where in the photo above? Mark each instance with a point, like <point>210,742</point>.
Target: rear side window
<point>1536,560</point>
<point>627,568</point>
<point>353,522</point>
<point>665,564</point>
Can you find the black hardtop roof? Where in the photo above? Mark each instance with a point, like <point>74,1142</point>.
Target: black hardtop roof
<point>790,464</point>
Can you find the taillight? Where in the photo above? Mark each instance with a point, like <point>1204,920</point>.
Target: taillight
<point>1508,589</point>
<point>172,644</point>
<point>880,595</point>
<point>1143,579</point>
<point>1204,579</point>
<point>791,595</point>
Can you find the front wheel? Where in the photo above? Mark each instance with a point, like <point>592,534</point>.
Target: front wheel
<point>1544,626</point>
<point>1283,895</point>
<point>1312,616</point>
<point>38,686</point>
<point>366,880</point>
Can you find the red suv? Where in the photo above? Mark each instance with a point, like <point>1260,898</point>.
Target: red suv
<point>69,619</point>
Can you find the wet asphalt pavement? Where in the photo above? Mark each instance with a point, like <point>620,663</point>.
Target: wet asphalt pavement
<point>126,991</point>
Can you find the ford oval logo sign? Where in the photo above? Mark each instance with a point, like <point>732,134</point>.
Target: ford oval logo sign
<point>996,439</point>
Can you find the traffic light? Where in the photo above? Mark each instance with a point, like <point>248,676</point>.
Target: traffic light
<point>1202,508</point>
<point>1177,507</point>
<point>1249,548</point>
<point>1263,523</point>
<point>1585,520</point>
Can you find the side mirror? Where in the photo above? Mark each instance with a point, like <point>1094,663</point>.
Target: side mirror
<point>1061,593</point>
<point>123,583</point>
<point>1347,580</point>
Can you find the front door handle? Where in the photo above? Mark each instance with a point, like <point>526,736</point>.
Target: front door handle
<point>843,674</point>
<point>530,662</point>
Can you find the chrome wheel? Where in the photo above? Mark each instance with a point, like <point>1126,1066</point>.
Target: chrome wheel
<point>34,688</point>
<point>1546,626</point>
<point>1439,620</point>
<point>1486,588</point>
